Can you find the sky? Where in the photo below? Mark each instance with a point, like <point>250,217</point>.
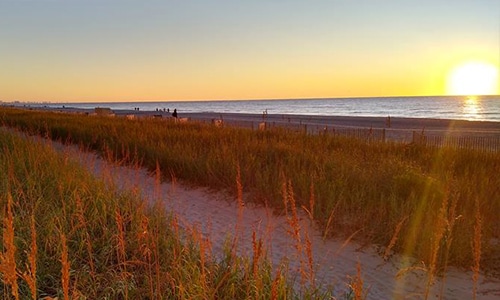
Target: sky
<point>124,50</point>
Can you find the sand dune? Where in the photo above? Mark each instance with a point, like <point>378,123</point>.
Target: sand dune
<point>219,217</point>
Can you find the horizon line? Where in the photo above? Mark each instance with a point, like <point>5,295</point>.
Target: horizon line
<point>241,99</point>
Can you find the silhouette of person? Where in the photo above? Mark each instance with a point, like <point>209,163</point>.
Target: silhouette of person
<point>174,114</point>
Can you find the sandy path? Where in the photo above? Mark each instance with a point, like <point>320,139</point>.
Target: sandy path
<point>216,215</point>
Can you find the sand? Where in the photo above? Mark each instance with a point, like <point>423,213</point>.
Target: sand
<point>397,129</point>
<point>218,217</point>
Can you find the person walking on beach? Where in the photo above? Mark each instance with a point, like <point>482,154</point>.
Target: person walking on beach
<point>174,114</point>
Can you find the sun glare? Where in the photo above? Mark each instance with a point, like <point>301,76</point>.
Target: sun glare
<point>473,78</point>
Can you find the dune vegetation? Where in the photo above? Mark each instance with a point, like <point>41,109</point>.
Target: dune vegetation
<point>437,205</point>
<point>67,235</point>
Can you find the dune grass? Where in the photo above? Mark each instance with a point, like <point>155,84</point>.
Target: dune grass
<point>71,236</point>
<point>423,202</point>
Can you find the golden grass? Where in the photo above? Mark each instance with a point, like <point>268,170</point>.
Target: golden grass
<point>476,248</point>
<point>357,284</point>
<point>89,241</point>
<point>8,266</point>
<point>394,238</point>
<point>439,232</point>
<point>30,275</point>
<point>65,277</point>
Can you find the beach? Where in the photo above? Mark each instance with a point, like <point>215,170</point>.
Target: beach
<point>218,216</point>
<point>248,150</point>
<point>405,130</point>
<point>429,125</point>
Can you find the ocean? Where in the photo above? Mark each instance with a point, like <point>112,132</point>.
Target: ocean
<point>480,108</point>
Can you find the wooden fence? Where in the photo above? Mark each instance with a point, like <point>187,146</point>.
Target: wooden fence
<point>486,143</point>
<point>483,143</point>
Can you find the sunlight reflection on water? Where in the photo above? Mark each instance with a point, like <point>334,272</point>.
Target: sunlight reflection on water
<point>471,108</point>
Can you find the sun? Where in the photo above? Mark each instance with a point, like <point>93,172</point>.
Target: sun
<point>472,79</point>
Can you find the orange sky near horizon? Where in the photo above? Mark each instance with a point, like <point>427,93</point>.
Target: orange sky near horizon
<point>85,51</point>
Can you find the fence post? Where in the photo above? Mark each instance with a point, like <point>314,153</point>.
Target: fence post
<point>383,135</point>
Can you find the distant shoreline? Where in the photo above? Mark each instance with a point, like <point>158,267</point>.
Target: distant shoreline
<point>480,108</point>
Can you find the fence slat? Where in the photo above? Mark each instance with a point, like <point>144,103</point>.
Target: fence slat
<point>481,143</point>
